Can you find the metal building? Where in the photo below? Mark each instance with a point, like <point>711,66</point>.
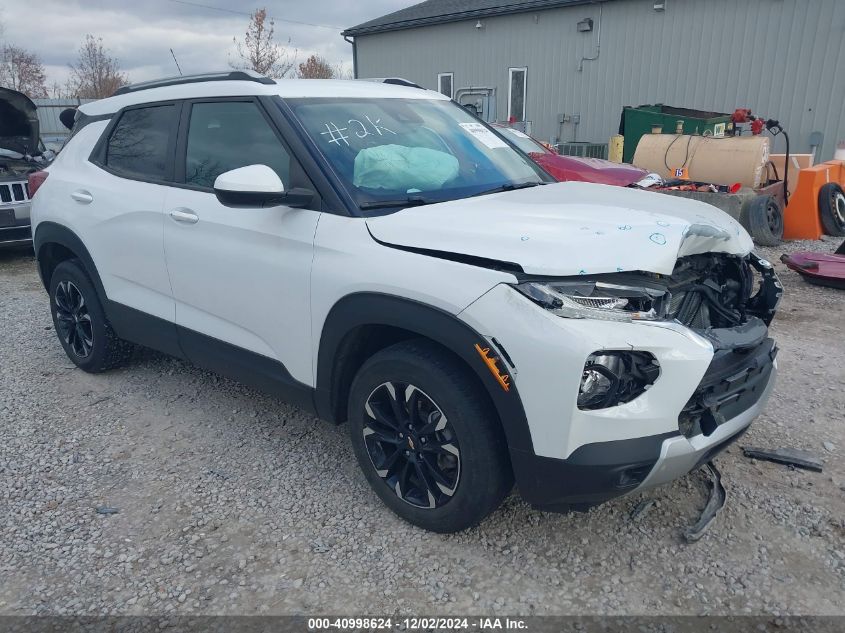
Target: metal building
<point>567,67</point>
<point>53,132</point>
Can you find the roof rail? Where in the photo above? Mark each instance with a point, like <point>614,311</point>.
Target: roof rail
<point>396,81</point>
<point>231,75</point>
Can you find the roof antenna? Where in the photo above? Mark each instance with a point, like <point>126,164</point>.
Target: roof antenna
<point>177,62</point>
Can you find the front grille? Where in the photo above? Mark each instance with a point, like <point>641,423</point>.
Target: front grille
<point>13,192</point>
<point>734,382</point>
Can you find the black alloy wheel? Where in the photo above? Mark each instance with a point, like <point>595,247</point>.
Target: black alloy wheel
<point>427,437</point>
<point>73,321</point>
<point>412,445</point>
<point>80,321</point>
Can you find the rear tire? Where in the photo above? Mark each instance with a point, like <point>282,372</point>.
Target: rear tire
<point>763,217</point>
<point>80,321</point>
<point>427,438</point>
<point>832,209</point>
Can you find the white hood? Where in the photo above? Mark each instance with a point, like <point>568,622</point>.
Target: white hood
<point>568,228</point>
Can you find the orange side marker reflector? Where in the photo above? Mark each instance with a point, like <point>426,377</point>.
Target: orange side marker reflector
<point>491,362</point>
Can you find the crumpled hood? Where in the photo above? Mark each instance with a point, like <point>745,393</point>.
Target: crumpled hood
<point>568,228</point>
<point>18,122</point>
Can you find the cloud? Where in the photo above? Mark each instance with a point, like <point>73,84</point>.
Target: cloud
<point>141,33</point>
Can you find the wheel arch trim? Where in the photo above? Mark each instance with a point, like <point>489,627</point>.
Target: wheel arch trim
<point>376,309</point>
<point>47,233</point>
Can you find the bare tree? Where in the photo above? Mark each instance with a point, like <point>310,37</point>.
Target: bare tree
<point>96,74</point>
<point>23,71</point>
<point>260,52</point>
<point>342,71</point>
<point>315,67</point>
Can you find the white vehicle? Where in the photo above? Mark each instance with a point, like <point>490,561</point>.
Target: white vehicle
<point>375,254</point>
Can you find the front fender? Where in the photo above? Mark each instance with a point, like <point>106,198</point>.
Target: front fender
<point>363,309</point>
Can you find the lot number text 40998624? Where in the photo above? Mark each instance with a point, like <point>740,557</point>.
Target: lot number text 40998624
<point>417,624</point>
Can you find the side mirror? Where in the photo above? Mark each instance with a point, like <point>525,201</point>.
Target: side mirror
<point>257,186</point>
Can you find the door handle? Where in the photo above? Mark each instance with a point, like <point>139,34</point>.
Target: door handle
<point>186,216</point>
<point>82,196</point>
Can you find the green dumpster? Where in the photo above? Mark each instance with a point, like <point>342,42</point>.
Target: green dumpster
<point>639,120</point>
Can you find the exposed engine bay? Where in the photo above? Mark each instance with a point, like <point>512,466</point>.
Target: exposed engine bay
<point>722,291</point>
<point>14,166</point>
<point>21,150</point>
<point>731,301</point>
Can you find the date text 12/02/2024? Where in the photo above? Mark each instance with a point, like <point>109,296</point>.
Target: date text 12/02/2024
<point>418,624</point>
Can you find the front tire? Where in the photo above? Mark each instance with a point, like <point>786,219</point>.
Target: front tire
<point>80,321</point>
<point>427,438</point>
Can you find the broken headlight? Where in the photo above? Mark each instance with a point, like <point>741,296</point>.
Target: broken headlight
<point>597,300</point>
<point>611,378</point>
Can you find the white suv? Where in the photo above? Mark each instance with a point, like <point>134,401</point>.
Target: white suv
<point>375,254</point>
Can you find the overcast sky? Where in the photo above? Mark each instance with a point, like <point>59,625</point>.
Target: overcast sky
<point>141,32</point>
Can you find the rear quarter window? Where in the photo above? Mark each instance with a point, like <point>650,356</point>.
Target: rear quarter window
<point>140,144</point>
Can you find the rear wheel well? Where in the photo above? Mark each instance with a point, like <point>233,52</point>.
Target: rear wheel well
<point>50,255</point>
<point>363,342</point>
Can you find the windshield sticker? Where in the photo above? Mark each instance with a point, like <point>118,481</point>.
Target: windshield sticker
<point>484,135</point>
<point>357,127</point>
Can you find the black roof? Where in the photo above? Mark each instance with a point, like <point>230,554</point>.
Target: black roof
<point>440,11</point>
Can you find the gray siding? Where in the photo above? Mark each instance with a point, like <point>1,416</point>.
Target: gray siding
<point>48,111</point>
<point>782,58</point>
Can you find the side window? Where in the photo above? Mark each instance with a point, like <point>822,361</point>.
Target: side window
<point>227,135</point>
<point>139,145</point>
<point>516,94</point>
<point>444,84</point>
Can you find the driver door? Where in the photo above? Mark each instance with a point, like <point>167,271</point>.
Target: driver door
<point>240,276</point>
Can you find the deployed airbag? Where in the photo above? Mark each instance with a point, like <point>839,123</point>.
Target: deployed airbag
<point>401,168</point>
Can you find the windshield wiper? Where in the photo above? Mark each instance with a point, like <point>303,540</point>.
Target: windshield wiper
<point>509,186</point>
<point>410,201</point>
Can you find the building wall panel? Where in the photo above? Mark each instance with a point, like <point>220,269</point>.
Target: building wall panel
<point>782,58</point>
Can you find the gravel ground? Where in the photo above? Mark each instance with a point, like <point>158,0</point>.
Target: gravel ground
<point>227,501</point>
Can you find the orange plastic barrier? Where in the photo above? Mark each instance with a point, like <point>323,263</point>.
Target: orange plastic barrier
<point>801,217</point>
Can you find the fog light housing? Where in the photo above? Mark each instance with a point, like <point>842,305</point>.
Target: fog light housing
<point>611,378</point>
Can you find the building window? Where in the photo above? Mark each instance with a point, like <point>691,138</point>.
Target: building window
<point>516,94</point>
<point>444,84</point>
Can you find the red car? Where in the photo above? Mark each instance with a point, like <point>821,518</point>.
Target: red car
<point>571,167</point>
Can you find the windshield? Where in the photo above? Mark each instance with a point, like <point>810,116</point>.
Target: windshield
<point>411,151</point>
<point>523,141</point>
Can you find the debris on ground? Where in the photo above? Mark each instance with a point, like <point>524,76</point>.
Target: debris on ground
<point>715,503</point>
<point>641,508</point>
<point>788,456</point>
<point>106,510</point>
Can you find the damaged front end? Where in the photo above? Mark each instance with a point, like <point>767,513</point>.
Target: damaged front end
<point>729,300</point>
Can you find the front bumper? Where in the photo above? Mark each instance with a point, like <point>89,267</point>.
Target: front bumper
<point>679,455</point>
<point>598,472</point>
<point>709,390</point>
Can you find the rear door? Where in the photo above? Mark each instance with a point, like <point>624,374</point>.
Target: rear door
<point>120,202</point>
<point>240,276</point>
